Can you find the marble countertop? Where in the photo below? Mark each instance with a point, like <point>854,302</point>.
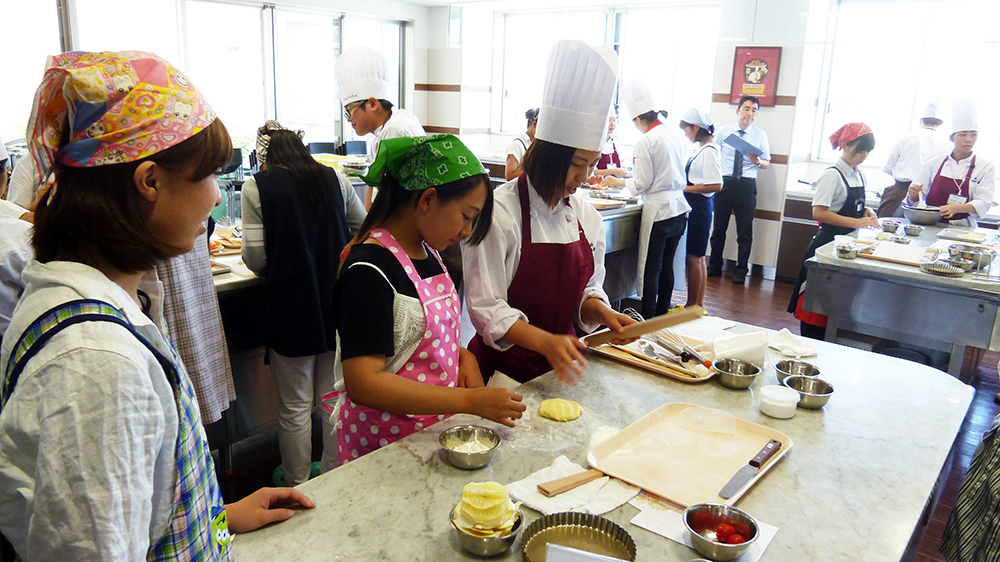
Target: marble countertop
<point>239,276</point>
<point>853,487</point>
<point>928,238</point>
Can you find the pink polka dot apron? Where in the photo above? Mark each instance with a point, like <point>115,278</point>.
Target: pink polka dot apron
<point>360,429</point>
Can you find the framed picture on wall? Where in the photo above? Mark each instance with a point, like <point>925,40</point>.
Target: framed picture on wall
<point>755,73</point>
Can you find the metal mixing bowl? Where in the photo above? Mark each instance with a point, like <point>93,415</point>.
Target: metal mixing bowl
<point>814,392</point>
<point>926,215</point>
<point>981,256</point>
<point>964,264</point>
<point>452,439</point>
<point>701,520</point>
<point>913,229</point>
<point>791,367</point>
<point>488,546</point>
<point>735,373</point>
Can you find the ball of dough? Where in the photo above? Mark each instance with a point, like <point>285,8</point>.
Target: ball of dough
<point>560,410</point>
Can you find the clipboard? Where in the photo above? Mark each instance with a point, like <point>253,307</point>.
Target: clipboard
<point>736,141</point>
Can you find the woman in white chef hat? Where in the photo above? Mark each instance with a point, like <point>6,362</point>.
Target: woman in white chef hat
<point>362,80</point>
<point>659,178</point>
<point>539,274</point>
<point>704,178</point>
<point>959,182</point>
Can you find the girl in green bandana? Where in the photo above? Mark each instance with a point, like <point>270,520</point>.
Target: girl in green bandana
<point>398,314</point>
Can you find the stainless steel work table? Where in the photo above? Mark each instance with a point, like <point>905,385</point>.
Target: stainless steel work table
<point>853,487</point>
<point>902,303</point>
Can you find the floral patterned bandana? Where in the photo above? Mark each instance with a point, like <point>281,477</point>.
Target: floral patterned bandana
<point>95,109</point>
<point>422,162</point>
<point>847,133</point>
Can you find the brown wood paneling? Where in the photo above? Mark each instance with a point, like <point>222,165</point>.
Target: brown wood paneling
<point>784,100</point>
<point>798,209</point>
<point>779,159</point>
<point>720,98</point>
<point>766,215</point>
<point>433,129</point>
<point>792,248</point>
<point>437,87</point>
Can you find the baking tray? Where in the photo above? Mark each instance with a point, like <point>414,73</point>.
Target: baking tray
<point>604,204</point>
<point>662,455</point>
<point>630,355</point>
<point>220,268</point>
<point>962,235</point>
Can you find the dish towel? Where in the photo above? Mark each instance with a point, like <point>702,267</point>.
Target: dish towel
<point>791,346</point>
<point>597,497</point>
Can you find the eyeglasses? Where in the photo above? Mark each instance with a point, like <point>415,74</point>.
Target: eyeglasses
<point>348,110</point>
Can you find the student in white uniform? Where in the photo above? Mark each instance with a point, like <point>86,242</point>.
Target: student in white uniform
<point>15,252</point>
<point>704,179</point>
<point>518,146</point>
<point>363,81</point>
<point>539,274</point>
<point>659,178</point>
<point>960,183</point>
<point>908,156</point>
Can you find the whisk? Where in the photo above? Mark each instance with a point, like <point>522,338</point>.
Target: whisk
<point>669,339</point>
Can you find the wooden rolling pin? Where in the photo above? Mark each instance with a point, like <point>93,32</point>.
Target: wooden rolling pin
<point>567,483</point>
<point>651,325</point>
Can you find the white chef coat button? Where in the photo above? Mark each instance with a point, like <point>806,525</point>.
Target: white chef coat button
<point>569,218</point>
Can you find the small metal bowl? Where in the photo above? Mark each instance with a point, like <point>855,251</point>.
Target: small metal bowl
<point>890,226</point>
<point>913,229</point>
<point>962,263</point>
<point>846,251</point>
<point>814,392</point>
<point>734,373</point>
<point>791,367</point>
<point>488,546</point>
<point>900,240</point>
<point>701,520</point>
<point>452,439</point>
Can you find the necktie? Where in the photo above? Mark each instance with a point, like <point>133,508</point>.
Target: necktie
<point>738,161</point>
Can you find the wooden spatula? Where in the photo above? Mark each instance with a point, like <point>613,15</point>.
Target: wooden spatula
<point>567,483</point>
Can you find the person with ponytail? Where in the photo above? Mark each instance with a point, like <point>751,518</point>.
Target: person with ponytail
<point>398,312</point>
<point>298,215</point>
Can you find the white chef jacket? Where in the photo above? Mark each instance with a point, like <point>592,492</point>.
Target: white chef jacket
<point>519,146</point>
<point>705,168</point>
<point>15,252</point>
<point>910,152</point>
<point>489,268</point>
<point>753,135</point>
<point>981,184</point>
<point>3,151</point>
<point>401,123</point>
<point>830,189</point>
<point>658,172</point>
<point>9,209</point>
<point>23,186</point>
<point>253,220</point>
<point>102,487</point>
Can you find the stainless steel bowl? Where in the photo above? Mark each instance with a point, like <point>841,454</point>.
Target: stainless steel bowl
<point>814,392</point>
<point>981,256</point>
<point>735,373</point>
<point>701,520</point>
<point>890,226</point>
<point>488,546</point>
<point>452,439</point>
<point>900,240</point>
<point>913,229</point>
<point>926,215</point>
<point>846,251</point>
<point>791,367</point>
<point>962,263</point>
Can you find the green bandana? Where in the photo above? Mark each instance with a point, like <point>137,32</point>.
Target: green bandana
<point>422,162</point>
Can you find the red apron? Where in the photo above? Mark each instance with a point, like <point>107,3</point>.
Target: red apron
<point>360,429</point>
<point>547,288</point>
<point>942,188</point>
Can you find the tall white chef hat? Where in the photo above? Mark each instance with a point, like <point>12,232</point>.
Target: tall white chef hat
<point>362,73</point>
<point>964,114</point>
<point>576,98</point>
<point>637,97</point>
<point>933,110</point>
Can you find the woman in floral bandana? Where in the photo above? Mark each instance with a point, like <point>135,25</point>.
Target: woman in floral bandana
<point>397,309</point>
<point>102,452</point>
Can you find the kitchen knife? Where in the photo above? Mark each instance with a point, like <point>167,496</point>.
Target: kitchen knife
<point>748,471</point>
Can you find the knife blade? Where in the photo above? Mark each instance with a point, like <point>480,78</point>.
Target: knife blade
<point>749,470</point>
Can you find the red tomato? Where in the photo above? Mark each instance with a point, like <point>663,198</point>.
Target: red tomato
<point>735,538</point>
<point>723,531</point>
<point>741,528</point>
<point>701,520</point>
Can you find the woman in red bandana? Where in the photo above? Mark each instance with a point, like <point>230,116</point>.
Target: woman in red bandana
<point>839,206</point>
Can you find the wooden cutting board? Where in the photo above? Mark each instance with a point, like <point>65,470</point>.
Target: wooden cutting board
<point>904,254</point>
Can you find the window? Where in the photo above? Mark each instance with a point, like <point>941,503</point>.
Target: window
<point>224,59</point>
<point>889,58</point>
<point>527,40</point>
<point>31,39</point>
<point>305,48</point>
<point>386,38</point>
<point>115,25</point>
<point>674,50</point>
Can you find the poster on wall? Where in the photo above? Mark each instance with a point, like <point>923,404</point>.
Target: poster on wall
<point>755,73</point>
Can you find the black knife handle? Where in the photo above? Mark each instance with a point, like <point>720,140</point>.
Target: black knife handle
<point>767,452</point>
